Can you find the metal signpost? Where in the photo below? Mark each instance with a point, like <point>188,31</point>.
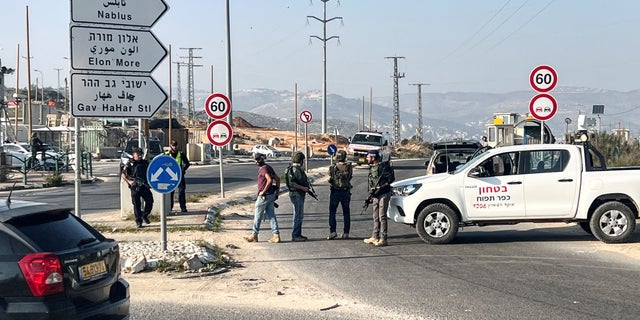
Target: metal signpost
<point>306,116</point>
<point>543,106</point>
<point>113,52</point>
<point>219,132</point>
<point>164,175</point>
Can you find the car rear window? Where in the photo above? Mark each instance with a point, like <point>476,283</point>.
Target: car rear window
<point>55,230</point>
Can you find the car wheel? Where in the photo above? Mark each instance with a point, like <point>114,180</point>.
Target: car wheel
<point>612,222</point>
<point>437,224</point>
<point>585,226</point>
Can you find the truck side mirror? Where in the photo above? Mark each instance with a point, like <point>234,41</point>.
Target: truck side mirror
<point>477,172</point>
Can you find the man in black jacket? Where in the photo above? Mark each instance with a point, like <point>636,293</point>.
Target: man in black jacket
<point>135,175</point>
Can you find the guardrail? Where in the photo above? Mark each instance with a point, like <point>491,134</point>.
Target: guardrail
<point>59,164</point>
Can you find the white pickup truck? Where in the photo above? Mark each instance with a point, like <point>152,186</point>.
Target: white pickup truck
<point>524,183</point>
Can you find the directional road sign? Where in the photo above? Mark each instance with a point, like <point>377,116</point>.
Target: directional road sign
<point>332,149</point>
<point>115,96</point>
<point>139,13</point>
<point>164,173</point>
<point>217,106</point>
<point>219,133</point>
<point>306,116</point>
<point>543,78</point>
<point>108,49</point>
<point>543,107</point>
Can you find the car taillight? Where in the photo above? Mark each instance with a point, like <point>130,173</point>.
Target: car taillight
<point>116,252</point>
<point>43,273</point>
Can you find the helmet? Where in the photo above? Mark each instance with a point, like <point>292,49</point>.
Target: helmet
<point>341,155</point>
<point>297,157</point>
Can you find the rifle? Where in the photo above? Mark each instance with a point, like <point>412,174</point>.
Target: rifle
<point>372,192</point>
<point>312,192</point>
<point>365,206</point>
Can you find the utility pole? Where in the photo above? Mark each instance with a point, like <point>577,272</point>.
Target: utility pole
<point>58,88</point>
<point>419,128</point>
<point>190,88</point>
<point>324,40</point>
<point>396,99</point>
<point>179,87</point>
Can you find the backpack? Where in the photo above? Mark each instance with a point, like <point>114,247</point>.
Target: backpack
<point>341,178</point>
<point>288,176</point>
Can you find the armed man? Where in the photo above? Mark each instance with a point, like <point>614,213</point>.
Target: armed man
<point>340,175</point>
<point>381,176</point>
<point>298,185</point>
<point>135,175</point>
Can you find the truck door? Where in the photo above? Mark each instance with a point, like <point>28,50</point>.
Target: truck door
<point>551,183</point>
<point>498,193</point>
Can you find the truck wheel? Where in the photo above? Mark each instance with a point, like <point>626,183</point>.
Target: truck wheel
<point>585,226</point>
<point>612,222</point>
<point>437,224</point>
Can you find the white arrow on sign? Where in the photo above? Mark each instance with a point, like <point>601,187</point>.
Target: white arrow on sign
<point>115,96</point>
<point>108,49</point>
<point>139,13</point>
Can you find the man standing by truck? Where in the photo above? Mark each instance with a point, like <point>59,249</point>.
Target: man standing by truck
<point>340,175</point>
<point>381,176</point>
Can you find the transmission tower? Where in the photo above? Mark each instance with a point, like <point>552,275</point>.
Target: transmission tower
<point>190,87</point>
<point>396,99</point>
<point>419,128</point>
<point>324,40</point>
<point>179,85</point>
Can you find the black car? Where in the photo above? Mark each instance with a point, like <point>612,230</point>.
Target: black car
<point>53,265</point>
<point>447,155</point>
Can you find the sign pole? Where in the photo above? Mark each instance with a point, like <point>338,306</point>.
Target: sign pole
<point>542,132</point>
<point>306,149</point>
<point>163,220</point>
<point>221,172</point>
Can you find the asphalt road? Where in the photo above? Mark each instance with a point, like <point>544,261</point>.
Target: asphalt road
<point>527,271</point>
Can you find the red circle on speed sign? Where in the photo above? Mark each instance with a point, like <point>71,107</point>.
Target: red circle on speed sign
<point>217,106</point>
<point>543,106</point>
<point>219,133</point>
<point>306,116</point>
<point>543,78</point>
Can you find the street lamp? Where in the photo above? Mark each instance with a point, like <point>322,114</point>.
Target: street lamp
<point>41,95</point>
<point>41,77</point>
<point>58,88</point>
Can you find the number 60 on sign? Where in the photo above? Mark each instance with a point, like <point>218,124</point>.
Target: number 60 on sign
<point>217,106</point>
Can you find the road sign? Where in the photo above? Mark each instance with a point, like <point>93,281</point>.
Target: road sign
<point>543,78</point>
<point>332,149</point>
<point>139,13</point>
<point>164,173</point>
<point>219,133</point>
<point>306,116</point>
<point>115,96</point>
<point>217,106</point>
<point>543,106</point>
<point>108,49</point>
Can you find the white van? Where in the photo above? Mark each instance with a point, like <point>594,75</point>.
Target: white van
<point>363,141</point>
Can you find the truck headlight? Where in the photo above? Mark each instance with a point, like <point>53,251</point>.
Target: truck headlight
<point>406,190</point>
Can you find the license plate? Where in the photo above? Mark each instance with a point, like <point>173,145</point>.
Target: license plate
<point>92,270</point>
<point>360,159</point>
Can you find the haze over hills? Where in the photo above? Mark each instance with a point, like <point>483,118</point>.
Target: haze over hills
<point>445,115</point>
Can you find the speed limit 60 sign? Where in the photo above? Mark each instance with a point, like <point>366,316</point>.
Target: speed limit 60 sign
<point>217,106</point>
<point>543,78</point>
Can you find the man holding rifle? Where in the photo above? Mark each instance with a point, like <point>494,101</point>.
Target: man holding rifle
<point>381,176</point>
<point>298,184</point>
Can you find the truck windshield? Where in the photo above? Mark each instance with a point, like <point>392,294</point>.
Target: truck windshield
<point>368,139</point>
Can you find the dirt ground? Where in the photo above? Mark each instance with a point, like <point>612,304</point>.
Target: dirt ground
<point>259,281</point>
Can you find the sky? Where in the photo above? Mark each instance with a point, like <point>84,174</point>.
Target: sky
<point>453,45</point>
